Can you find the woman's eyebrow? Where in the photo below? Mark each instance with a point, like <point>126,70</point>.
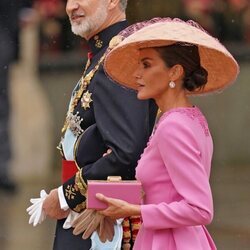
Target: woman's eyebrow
<point>146,58</point>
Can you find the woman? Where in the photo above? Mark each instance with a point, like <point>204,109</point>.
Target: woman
<point>176,59</point>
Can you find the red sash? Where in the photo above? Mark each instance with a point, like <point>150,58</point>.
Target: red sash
<point>69,169</point>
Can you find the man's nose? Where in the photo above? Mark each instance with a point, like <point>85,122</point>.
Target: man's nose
<point>72,5</point>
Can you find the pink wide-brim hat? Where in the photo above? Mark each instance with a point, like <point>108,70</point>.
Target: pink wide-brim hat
<point>122,59</point>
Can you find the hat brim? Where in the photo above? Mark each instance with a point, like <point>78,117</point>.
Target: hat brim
<point>122,61</point>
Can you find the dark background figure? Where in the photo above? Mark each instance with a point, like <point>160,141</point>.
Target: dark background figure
<point>9,52</point>
<point>228,16</point>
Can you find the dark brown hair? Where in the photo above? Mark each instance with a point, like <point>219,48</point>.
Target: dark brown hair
<point>187,55</point>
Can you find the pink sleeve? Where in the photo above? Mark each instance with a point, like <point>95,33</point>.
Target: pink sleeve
<point>179,150</point>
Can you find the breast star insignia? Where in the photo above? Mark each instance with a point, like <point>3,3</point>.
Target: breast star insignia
<point>86,100</point>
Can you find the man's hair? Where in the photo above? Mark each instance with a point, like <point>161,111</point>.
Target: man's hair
<point>123,4</point>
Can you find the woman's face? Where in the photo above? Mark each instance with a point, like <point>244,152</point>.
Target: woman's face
<point>152,75</point>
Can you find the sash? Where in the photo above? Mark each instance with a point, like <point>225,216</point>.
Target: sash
<point>69,169</point>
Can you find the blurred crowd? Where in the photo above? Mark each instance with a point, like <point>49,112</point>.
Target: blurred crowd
<point>227,19</point>
<point>9,53</point>
<point>54,27</point>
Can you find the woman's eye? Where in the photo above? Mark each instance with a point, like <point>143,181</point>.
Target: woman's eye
<point>146,65</point>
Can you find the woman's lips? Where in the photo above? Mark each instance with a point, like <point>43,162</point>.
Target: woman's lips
<point>140,86</point>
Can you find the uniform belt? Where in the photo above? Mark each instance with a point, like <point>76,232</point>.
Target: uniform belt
<point>69,169</point>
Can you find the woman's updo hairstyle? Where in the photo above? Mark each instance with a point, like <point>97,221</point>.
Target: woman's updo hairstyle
<point>188,56</point>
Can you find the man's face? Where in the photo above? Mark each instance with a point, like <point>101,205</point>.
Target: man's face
<point>86,16</point>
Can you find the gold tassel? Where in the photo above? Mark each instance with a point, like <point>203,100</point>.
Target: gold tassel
<point>126,234</point>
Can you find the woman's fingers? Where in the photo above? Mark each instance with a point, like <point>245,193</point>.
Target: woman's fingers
<point>101,197</point>
<point>109,151</point>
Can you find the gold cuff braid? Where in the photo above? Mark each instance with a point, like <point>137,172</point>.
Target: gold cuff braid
<point>80,183</point>
<point>80,207</point>
<point>80,186</point>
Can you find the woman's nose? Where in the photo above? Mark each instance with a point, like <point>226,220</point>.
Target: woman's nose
<point>137,74</point>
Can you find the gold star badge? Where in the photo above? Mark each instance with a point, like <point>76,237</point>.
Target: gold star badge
<point>86,100</point>
<point>98,42</point>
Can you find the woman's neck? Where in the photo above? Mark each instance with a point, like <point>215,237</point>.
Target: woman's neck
<point>173,100</point>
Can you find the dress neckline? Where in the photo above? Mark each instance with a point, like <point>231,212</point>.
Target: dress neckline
<point>192,112</point>
<point>193,109</point>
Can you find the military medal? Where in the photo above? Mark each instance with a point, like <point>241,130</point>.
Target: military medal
<point>84,96</point>
<point>86,100</point>
<point>72,121</point>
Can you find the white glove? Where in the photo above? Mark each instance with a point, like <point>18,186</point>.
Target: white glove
<point>35,211</point>
<point>71,217</point>
<point>37,215</point>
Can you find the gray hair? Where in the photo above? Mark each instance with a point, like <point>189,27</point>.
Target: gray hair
<point>123,4</point>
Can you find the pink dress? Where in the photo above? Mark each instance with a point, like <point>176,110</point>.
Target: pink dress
<point>174,170</point>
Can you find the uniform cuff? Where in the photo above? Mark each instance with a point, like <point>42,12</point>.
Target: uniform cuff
<point>62,200</point>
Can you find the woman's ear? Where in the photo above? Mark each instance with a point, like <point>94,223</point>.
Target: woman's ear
<point>176,72</point>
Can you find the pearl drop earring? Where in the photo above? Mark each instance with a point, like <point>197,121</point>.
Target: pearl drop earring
<point>172,84</point>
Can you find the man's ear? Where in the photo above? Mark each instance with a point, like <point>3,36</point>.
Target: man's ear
<point>113,4</point>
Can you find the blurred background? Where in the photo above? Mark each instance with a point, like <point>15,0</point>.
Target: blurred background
<point>48,62</point>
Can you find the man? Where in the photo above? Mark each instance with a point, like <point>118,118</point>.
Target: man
<point>101,116</point>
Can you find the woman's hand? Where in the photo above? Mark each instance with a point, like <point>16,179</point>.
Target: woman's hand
<point>118,208</point>
<point>109,151</point>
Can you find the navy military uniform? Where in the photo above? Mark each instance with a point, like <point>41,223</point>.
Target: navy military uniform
<point>102,115</point>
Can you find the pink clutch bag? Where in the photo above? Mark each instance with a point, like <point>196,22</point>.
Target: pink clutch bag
<point>114,187</point>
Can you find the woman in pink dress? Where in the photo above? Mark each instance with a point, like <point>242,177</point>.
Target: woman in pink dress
<point>176,59</point>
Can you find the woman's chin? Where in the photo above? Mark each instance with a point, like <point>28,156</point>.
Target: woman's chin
<point>141,96</point>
